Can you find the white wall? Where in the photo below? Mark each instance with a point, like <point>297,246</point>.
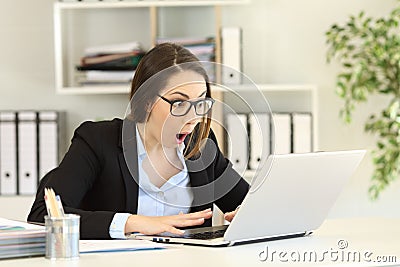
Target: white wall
<point>27,67</point>
<point>283,42</point>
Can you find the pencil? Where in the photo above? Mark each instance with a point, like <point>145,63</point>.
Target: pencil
<point>51,203</point>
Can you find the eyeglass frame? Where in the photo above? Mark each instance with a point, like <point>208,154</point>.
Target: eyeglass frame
<point>192,103</point>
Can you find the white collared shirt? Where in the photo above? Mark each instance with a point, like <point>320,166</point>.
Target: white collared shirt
<point>172,197</point>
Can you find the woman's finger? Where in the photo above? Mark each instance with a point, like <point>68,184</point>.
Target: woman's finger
<point>200,214</point>
<point>229,215</point>
<point>174,230</point>
<point>186,223</point>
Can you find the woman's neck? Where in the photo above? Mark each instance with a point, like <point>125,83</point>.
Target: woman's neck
<point>150,142</point>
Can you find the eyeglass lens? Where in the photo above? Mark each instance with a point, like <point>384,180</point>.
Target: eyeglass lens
<point>183,107</point>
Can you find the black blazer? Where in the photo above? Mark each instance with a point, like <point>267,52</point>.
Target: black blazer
<point>94,180</point>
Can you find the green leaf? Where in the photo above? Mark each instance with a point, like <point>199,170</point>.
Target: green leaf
<point>380,145</point>
<point>366,22</point>
<point>344,76</point>
<point>394,110</point>
<point>368,50</point>
<point>393,142</point>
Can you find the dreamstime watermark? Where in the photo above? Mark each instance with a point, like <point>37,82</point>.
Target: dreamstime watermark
<point>339,254</point>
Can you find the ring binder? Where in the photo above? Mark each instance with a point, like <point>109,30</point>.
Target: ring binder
<point>231,55</point>
<point>27,152</point>
<point>8,153</point>
<point>238,143</point>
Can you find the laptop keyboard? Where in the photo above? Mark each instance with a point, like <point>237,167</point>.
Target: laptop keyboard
<point>207,235</point>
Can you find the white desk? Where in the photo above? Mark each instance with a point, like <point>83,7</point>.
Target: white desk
<point>376,237</point>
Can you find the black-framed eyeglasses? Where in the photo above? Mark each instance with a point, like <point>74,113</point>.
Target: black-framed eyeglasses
<point>181,107</point>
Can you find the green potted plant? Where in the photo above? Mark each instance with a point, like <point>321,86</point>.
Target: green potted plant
<point>368,51</point>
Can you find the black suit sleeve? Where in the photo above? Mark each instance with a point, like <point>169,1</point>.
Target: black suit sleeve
<point>231,188</point>
<point>72,180</point>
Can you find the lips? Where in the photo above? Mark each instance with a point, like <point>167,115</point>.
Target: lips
<point>181,137</point>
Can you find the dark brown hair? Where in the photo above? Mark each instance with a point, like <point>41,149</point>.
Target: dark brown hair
<point>168,58</point>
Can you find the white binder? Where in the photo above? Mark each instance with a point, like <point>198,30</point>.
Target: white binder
<point>48,141</point>
<point>259,138</point>
<point>8,153</point>
<point>231,49</point>
<point>27,152</point>
<point>238,143</point>
<point>302,132</point>
<point>281,141</point>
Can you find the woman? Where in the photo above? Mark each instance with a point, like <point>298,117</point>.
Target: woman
<point>152,172</point>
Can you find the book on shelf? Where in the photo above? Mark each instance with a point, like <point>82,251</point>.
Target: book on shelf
<point>112,64</point>
<point>112,49</point>
<point>202,47</point>
<point>108,67</point>
<point>20,239</point>
<point>120,64</point>
<point>131,57</point>
<point>186,40</point>
<point>93,77</point>
<point>100,67</point>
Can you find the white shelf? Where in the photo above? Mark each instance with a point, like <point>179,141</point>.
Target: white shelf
<point>65,32</point>
<point>133,4</point>
<point>125,89</point>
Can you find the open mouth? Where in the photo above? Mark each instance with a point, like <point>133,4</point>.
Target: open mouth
<point>181,137</point>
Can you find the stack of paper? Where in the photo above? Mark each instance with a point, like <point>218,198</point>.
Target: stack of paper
<point>112,48</point>
<point>115,63</point>
<point>19,239</point>
<point>202,47</point>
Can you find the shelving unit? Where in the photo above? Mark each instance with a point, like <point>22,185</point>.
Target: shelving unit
<point>70,16</point>
<point>152,14</point>
<point>286,98</point>
<point>282,98</point>
<point>290,98</point>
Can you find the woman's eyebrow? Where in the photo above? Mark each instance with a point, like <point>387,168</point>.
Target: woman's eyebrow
<point>186,96</point>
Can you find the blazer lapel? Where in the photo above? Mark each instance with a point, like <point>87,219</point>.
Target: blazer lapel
<point>129,170</point>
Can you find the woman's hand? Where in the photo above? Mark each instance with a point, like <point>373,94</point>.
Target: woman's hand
<point>152,225</point>
<point>229,215</point>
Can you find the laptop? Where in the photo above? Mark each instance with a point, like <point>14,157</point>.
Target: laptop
<point>292,201</point>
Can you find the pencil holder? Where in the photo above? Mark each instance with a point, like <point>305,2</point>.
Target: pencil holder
<point>62,237</point>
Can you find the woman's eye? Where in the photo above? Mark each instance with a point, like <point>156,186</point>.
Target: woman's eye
<point>179,104</point>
